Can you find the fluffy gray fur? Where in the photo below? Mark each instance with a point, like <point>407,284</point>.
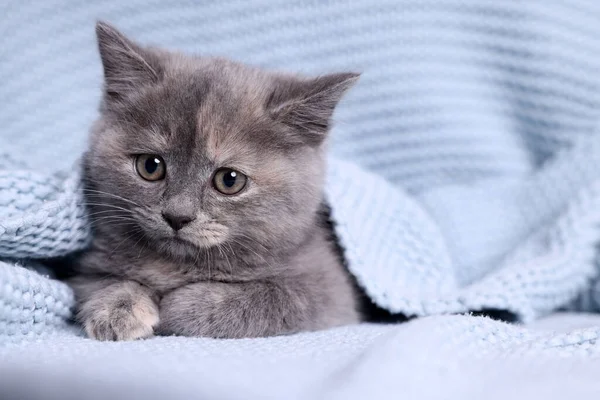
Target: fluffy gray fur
<point>258,263</point>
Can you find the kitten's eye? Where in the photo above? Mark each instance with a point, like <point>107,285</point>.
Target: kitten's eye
<point>229,181</point>
<point>150,167</point>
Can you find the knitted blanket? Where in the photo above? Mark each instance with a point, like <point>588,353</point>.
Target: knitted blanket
<point>462,178</point>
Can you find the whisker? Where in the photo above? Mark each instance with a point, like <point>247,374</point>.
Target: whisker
<point>107,205</point>
<point>253,241</point>
<point>132,234</point>
<point>196,259</point>
<point>115,212</point>
<point>219,249</point>
<point>227,258</point>
<point>99,193</point>
<point>223,256</point>
<point>127,225</point>
<point>110,219</point>
<point>113,217</point>
<point>143,246</point>
<point>209,263</point>
<point>112,222</point>
<point>262,258</point>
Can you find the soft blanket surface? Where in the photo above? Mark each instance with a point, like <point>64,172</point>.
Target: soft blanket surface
<point>463,177</point>
<point>432,358</point>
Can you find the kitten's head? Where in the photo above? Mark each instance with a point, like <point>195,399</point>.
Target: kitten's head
<point>193,152</point>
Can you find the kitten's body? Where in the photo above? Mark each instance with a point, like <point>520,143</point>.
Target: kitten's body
<point>242,294</point>
<point>257,263</point>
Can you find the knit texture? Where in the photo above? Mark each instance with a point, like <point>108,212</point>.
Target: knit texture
<point>450,357</point>
<point>463,172</point>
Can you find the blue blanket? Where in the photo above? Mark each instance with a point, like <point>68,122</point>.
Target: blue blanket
<point>462,178</point>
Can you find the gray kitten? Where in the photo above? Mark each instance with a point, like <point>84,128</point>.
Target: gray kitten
<point>205,186</point>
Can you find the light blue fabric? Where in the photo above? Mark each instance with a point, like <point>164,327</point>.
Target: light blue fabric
<point>454,357</point>
<point>463,177</point>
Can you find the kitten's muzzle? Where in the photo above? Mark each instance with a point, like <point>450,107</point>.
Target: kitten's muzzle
<point>176,221</point>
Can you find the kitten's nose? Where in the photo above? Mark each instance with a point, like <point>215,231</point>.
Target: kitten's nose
<point>177,221</point>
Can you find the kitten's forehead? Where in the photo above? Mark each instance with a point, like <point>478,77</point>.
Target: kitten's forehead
<point>231,123</point>
<point>231,119</point>
<point>213,105</point>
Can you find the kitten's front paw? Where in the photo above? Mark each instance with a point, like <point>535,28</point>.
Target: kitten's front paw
<point>122,319</point>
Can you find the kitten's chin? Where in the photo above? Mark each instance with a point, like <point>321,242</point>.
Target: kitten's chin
<point>178,248</point>
<point>182,248</point>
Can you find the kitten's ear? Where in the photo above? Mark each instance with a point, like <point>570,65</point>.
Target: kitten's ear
<point>306,105</point>
<point>127,66</point>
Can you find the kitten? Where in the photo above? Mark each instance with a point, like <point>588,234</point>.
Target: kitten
<point>204,182</point>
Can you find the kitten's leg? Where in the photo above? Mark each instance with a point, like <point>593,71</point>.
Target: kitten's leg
<point>235,310</point>
<point>111,309</point>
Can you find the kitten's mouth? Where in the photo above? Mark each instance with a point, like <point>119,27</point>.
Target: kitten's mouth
<point>176,246</point>
<point>178,241</point>
<point>199,241</point>
<point>180,247</point>
<point>188,242</point>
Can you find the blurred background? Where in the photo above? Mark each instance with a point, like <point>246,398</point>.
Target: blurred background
<point>485,73</point>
